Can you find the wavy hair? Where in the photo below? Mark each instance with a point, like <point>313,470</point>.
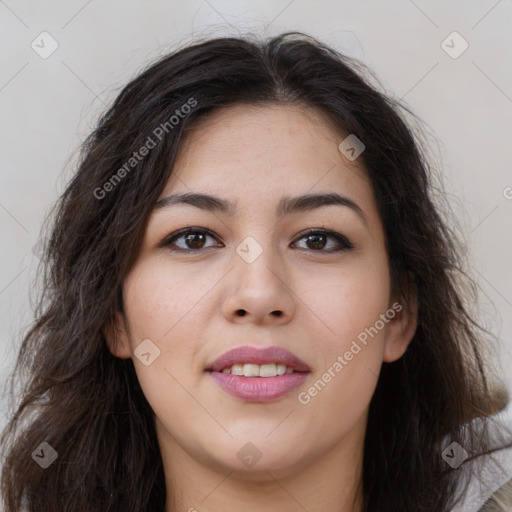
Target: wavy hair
<point>88,405</point>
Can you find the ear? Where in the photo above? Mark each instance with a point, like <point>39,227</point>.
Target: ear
<point>401,328</point>
<point>116,335</point>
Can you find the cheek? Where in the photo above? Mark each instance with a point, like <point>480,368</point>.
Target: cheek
<point>160,308</point>
<point>351,304</point>
<point>160,299</point>
<point>346,301</point>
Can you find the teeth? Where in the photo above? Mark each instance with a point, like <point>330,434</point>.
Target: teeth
<point>281,369</point>
<point>258,370</point>
<point>251,370</point>
<point>268,370</point>
<point>237,369</point>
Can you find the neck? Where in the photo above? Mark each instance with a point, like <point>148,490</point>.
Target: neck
<point>332,481</point>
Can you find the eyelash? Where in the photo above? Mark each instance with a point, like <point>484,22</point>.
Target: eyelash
<point>344,243</point>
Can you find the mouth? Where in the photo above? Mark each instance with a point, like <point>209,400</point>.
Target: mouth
<point>258,375</point>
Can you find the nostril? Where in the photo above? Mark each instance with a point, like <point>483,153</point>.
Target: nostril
<point>242,312</point>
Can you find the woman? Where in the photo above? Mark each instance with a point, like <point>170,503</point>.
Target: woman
<point>251,300</point>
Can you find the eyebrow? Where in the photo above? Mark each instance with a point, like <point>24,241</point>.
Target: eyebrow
<point>286,205</point>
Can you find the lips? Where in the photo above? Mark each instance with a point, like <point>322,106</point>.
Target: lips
<point>258,389</point>
<point>252,355</point>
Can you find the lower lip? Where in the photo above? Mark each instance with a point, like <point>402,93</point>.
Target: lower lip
<point>259,389</point>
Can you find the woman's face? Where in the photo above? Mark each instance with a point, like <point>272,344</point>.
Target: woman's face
<point>251,278</point>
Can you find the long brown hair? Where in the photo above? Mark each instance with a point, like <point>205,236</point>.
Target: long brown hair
<point>88,405</point>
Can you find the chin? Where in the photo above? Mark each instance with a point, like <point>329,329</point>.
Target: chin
<point>260,459</point>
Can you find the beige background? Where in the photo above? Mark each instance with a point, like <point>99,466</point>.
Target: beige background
<point>49,105</point>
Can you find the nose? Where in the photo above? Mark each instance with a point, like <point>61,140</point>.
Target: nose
<point>259,291</point>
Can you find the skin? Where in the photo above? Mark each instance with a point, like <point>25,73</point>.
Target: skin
<point>187,303</point>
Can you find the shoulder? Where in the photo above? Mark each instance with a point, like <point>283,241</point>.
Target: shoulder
<point>490,486</point>
<point>500,500</point>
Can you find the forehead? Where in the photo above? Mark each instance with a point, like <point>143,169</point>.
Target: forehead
<point>251,154</point>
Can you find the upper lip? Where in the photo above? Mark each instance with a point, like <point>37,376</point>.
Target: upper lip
<point>253,355</point>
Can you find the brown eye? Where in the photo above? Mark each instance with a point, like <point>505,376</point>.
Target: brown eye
<point>193,239</point>
<point>317,240</point>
